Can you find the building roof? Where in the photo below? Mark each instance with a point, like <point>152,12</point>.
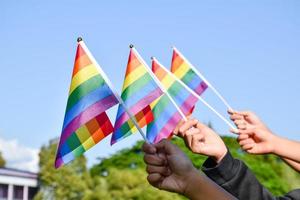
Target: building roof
<point>17,173</point>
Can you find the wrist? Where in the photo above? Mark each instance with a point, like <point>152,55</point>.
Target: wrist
<point>220,156</point>
<point>192,181</point>
<point>277,141</point>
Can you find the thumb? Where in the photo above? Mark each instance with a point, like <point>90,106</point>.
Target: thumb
<point>166,146</point>
<point>253,150</point>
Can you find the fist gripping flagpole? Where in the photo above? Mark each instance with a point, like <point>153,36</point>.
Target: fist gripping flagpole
<point>110,85</point>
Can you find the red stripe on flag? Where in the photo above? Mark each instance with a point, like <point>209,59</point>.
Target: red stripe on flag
<point>176,61</point>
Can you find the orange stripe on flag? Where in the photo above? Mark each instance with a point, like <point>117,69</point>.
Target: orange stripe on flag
<point>80,63</point>
<point>98,135</point>
<point>133,63</point>
<point>176,62</point>
<point>92,126</point>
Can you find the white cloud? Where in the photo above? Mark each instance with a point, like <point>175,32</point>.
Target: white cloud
<point>18,156</point>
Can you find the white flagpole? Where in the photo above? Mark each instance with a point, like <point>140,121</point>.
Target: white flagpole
<point>196,95</point>
<point>110,85</point>
<point>205,80</point>
<point>158,83</point>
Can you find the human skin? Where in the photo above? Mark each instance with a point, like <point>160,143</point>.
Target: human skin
<point>201,139</point>
<point>256,138</point>
<point>169,169</point>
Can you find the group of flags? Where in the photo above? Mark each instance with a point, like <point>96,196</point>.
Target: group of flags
<point>156,98</point>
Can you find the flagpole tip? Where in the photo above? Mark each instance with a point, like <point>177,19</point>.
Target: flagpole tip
<point>131,46</point>
<point>79,39</point>
<point>152,57</point>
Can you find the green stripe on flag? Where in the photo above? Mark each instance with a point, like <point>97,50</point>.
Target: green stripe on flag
<point>163,102</point>
<point>189,75</point>
<point>83,89</point>
<point>136,86</point>
<point>175,89</point>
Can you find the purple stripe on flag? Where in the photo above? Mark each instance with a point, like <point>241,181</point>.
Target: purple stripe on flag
<point>201,88</point>
<point>188,104</point>
<point>166,131</point>
<point>140,105</point>
<point>58,162</point>
<point>87,115</point>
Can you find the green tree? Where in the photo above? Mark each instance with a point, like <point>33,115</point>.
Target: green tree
<point>2,161</point>
<point>126,167</point>
<point>122,176</point>
<point>70,182</point>
<point>127,183</point>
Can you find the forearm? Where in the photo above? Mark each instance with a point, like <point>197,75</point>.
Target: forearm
<point>295,165</point>
<point>235,177</point>
<point>200,187</point>
<point>287,149</point>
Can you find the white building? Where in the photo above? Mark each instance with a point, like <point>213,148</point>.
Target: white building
<point>17,184</point>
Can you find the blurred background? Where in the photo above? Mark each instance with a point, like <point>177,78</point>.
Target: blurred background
<point>249,50</point>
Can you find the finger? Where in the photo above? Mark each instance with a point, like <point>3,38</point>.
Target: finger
<point>252,151</point>
<point>158,169</point>
<point>246,131</point>
<point>239,121</point>
<point>246,147</point>
<point>242,137</point>
<point>188,141</point>
<point>201,126</point>
<point>192,131</point>
<point>154,179</point>
<point>230,111</point>
<point>187,125</point>
<point>244,113</point>
<point>196,140</point>
<point>166,146</point>
<point>176,130</point>
<point>242,126</point>
<point>235,131</point>
<point>154,160</point>
<point>148,148</point>
<point>236,116</point>
<point>246,141</point>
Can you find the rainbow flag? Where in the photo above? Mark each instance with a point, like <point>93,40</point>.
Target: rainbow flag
<point>166,115</point>
<point>139,90</point>
<point>85,122</point>
<point>181,68</point>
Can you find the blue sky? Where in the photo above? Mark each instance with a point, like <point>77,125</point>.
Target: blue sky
<point>249,50</point>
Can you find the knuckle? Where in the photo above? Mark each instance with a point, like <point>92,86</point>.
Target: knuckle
<point>149,179</point>
<point>148,169</point>
<point>181,130</point>
<point>147,158</point>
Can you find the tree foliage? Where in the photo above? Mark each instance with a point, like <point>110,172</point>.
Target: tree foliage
<point>122,176</point>
<point>70,182</point>
<point>271,171</point>
<point>2,161</point>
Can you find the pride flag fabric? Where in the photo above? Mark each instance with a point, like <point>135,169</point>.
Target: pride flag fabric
<point>85,122</point>
<point>181,68</point>
<point>139,90</point>
<point>166,115</point>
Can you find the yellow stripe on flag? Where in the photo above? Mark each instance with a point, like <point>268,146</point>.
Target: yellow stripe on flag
<point>133,76</point>
<point>153,104</point>
<point>82,76</point>
<point>83,133</point>
<point>182,70</point>
<point>167,81</point>
<point>88,144</point>
<point>133,128</point>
